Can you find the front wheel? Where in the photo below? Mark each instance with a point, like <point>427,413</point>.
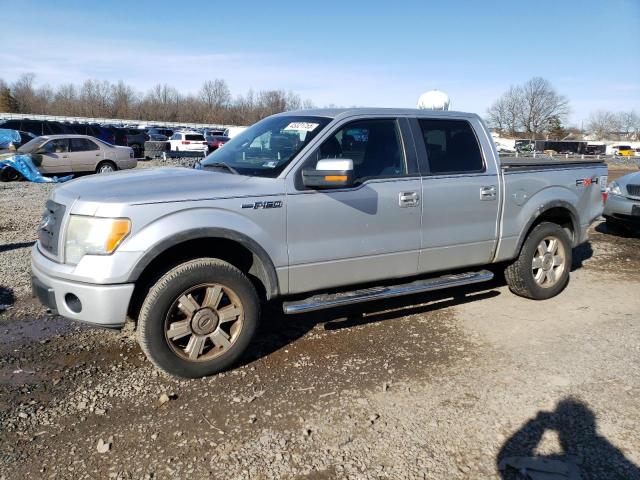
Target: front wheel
<point>541,270</point>
<point>198,319</point>
<point>9,174</point>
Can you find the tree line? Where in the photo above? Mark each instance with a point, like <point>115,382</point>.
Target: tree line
<point>536,110</point>
<point>213,103</point>
<point>533,109</point>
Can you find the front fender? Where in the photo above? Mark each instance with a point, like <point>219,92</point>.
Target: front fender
<point>262,232</point>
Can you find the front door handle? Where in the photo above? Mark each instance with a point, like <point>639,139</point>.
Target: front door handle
<point>408,199</point>
<point>488,192</point>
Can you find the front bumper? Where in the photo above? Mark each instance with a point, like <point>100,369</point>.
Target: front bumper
<point>622,208</point>
<point>101,305</point>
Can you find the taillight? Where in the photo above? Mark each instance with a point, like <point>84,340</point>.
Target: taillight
<point>185,142</point>
<point>605,195</point>
<point>204,143</point>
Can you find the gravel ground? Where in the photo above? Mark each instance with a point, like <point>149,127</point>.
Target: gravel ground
<point>440,386</point>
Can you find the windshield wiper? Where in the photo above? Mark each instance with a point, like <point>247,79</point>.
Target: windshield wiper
<point>223,165</point>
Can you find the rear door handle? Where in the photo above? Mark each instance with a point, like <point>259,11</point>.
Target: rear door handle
<point>408,199</point>
<point>488,192</point>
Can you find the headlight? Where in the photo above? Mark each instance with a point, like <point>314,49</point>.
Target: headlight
<point>94,236</point>
<point>614,189</point>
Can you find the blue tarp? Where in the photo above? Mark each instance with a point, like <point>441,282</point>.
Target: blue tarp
<point>9,136</point>
<point>24,165</point>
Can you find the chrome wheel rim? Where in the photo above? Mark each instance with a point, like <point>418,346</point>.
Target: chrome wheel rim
<point>204,322</point>
<point>106,169</point>
<point>548,262</point>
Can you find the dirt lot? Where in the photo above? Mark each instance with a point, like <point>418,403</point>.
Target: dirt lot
<point>434,386</point>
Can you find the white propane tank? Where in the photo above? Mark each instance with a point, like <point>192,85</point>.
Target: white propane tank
<point>434,100</point>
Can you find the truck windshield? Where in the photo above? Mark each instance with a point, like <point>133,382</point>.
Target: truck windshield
<point>266,148</point>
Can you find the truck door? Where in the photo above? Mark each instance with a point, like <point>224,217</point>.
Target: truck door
<point>460,193</point>
<point>363,233</point>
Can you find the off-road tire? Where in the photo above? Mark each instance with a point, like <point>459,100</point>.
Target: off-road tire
<point>155,308</point>
<point>519,274</point>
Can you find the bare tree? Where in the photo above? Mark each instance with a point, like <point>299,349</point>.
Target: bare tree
<point>95,98</point>
<point>603,124</point>
<point>24,93</point>
<point>65,100</point>
<point>629,124</point>
<point>123,101</point>
<point>216,97</point>
<point>541,105</point>
<point>506,113</point>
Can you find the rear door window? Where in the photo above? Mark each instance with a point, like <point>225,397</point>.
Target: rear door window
<point>83,145</point>
<point>195,138</point>
<point>452,146</point>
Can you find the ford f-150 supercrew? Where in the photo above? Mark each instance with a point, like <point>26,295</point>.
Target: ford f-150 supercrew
<point>319,208</point>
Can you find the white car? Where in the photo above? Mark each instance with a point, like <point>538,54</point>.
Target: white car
<point>188,142</point>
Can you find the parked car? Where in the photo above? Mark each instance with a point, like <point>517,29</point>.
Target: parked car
<point>55,154</point>
<point>188,142</point>
<point>504,148</point>
<point>322,208</point>
<point>625,151</point>
<point>130,137</point>
<point>36,127</point>
<point>156,137</point>
<point>212,133</point>
<point>25,137</point>
<point>93,130</point>
<point>622,209</point>
<point>167,132</point>
<point>216,141</point>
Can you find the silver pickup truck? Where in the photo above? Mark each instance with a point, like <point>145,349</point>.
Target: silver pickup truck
<point>318,208</point>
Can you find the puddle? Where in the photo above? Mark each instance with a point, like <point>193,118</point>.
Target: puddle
<point>20,332</point>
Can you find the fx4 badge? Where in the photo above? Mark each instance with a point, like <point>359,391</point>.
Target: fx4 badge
<point>258,205</point>
<point>585,182</point>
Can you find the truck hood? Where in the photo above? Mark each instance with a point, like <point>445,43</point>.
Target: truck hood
<point>156,185</point>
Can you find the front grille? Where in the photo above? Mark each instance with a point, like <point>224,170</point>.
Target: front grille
<point>634,190</point>
<point>49,229</point>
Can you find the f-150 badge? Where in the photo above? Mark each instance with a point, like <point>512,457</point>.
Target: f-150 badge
<point>258,205</point>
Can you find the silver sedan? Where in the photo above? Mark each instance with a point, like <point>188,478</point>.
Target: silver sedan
<point>622,208</point>
<point>54,154</point>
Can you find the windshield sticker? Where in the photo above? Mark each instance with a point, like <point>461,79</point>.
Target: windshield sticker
<point>270,164</point>
<point>301,126</point>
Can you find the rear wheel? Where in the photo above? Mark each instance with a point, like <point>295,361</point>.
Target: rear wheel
<point>541,270</point>
<point>106,167</point>
<point>198,319</point>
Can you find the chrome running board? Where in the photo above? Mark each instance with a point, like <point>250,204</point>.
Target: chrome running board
<point>320,302</point>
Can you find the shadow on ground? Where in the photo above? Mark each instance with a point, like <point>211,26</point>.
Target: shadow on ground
<point>15,246</point>
<point>585,453</point>
<point>618,230</point>
<point>7,298</point>
<point>279,330</point>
